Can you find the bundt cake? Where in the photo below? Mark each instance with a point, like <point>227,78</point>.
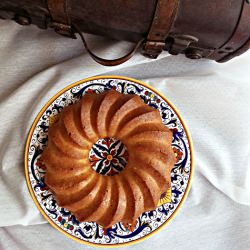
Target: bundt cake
<point>120,197</point>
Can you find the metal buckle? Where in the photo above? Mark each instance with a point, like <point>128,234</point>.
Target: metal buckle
<point>152,49</point>
<point>180,43</point>
<point>63,29</point>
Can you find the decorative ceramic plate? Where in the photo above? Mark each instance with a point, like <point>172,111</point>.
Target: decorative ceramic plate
<point>90,232</point>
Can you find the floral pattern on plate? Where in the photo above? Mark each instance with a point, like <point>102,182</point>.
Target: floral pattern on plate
<point>148,222</point>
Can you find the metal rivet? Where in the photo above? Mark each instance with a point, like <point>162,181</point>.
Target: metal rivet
<point>151,56</point>
<point>193,54</point>
<point>22,20</point>
<point>228,48</point>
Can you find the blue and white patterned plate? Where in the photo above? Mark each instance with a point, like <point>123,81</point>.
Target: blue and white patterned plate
<point>90,232</point>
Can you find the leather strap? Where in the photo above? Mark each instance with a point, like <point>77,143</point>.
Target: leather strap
<point>164,16</point>
<point>60,19</point>
<point>108,62</point>
<point>62,24</point>
<point>238,52</point>
<point>241,34</point>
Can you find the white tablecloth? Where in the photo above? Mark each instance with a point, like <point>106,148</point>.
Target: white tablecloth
<point>214,100</point>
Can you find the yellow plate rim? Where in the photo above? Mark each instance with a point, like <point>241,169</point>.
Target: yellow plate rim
<point>27,149</point>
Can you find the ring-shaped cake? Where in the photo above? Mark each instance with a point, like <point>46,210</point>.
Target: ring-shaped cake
<point>108,199</point>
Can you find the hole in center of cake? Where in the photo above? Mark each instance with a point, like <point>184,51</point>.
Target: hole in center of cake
<point>108,156</point>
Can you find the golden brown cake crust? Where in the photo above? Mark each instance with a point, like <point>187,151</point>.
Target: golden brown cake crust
<point>89,195</point>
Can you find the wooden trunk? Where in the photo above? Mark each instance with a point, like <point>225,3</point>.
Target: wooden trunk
<point>219,30</point>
